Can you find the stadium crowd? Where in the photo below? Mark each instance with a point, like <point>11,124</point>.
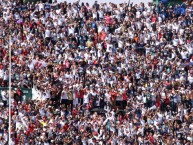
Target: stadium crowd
<point>109,74</point>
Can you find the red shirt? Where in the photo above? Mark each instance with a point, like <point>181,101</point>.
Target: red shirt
<point>77,94</point>
<point>61,67</point>
<point>125,96</point>
<point>153,19</point>
<point>121,120</point>
<point>108,20</point>
<point>65,127</point>
<point>151,139</point>
<point>113,95</point>
<point>17,140</point>
<point>158,103</point>
<point>67,64</point>
<point>103,35</point>
<point>26,108</point>
<point>160,35</point>
<point>1,66</point>
<point>12,112</point>
<point>74,112</point>
<point>18,92</point>
<point>95,62</point>
<point>167,101</point>
<point>31,128</point>
<point>81,94</point>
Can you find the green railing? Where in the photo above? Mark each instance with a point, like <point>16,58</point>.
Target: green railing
<point>26,93</point>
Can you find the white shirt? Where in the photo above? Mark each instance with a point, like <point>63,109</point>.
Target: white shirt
<point>100,28</point>
<point>120,44</point>
<point>101,14</point>
<point>176,27</point>
<point>19,125</point>
<point>17,16</point>
<point>31,66</point>
<point>144,99</point>
<point>41,7</point>
<point>4,95</point>
<point>1,73</point>
<point>184,54</point>
<point>6,76</point>
<point>86,98</point>
<point>71,30</point>
<point>190,49</point>
<point>64,95</point>
<point>47,33</point>
<point>107,97</point>
<point>94,15</point>
<point>60,21</point>
<point>138,14</point>
<point>190,79</point>
<point>181,31</point>
<point>48,94</point>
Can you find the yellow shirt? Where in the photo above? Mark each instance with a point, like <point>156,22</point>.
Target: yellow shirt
<point>89,44</point>
<point>70,97</point>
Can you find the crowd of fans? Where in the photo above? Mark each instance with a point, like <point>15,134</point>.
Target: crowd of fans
<point>108,73</point>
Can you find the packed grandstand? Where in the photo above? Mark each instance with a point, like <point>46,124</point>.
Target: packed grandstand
<point>106,74</point>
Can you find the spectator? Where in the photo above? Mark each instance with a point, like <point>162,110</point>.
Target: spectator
<point>105,74</point>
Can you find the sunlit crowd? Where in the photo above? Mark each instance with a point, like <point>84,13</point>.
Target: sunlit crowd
<point>108,74</point>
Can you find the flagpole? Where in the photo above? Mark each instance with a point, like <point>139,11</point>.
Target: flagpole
<point>9,141</point>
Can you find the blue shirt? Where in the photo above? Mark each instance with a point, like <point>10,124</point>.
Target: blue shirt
<point>93,25</point>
